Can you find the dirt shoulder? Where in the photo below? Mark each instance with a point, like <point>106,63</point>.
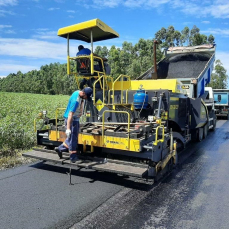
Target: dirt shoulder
<point>14,160</point>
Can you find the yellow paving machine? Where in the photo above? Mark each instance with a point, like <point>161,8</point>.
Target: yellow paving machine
<point>131,127</point>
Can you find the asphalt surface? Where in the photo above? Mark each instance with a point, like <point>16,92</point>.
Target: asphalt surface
<point>195,195</point>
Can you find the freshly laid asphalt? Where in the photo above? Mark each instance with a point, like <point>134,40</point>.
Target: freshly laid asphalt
<point>195,195</point>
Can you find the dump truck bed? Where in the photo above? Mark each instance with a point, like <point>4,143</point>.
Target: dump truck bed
<point>190,65</point>
<point>182,66</point>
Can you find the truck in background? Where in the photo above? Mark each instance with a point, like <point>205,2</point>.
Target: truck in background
<point>221,97</point>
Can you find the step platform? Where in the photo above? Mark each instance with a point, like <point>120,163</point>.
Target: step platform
<point>113,166</point>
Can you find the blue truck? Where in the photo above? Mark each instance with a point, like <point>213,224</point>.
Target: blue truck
<point>221,97</point>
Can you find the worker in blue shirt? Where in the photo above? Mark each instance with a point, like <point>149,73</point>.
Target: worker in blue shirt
<point>72,115</point>
<point>83,51</point>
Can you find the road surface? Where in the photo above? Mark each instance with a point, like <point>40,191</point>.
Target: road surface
<point>196,195</point>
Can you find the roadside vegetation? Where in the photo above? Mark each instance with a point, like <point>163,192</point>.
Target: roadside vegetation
<point>17,113</point>
<point>219,78</point>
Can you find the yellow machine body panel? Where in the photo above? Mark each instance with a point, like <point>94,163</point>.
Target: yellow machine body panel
<point>82,31</point>
<point>87,139</point>
<point>109,142</point>
<point>59,136</point>
<point>160,84</point>
<point>122,143</point>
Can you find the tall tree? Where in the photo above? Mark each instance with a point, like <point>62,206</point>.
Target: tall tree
<point>101,51</point>
<point>185,35</point>
<point>219,78</point>
<point>171,37</point>
<point>211,39</point>
<point>194,32</point>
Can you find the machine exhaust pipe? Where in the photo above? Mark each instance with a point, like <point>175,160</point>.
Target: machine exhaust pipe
<point>148,147</point>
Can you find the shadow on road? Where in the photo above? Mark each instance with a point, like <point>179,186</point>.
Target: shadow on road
<point>93,176</point>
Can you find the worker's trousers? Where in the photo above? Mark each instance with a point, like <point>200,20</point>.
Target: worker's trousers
<point>71,143</point>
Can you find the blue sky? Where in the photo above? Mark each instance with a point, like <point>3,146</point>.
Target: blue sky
<point>28,28</point>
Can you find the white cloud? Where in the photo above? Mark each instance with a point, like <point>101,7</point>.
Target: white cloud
<point>71,11</point>
<point>205,22</point>
<point>133,3</point>
<point>3,13</point>
<point>5,29</point>
<point>128,3</point>
<point>8,2</point>
<point>51,9</point>
<point>154,4</point>
<point>5,26</point>
<point>17,67</point>
<point>222,32</point>
<point>32,48</point>
<point>45,34</point>
<point>10,31</point>
<point>106,3</point>
<point>214,8</point>
<point>187,23</point>
<point>2,76</point>
<point>218,11</point>
<point>41,29</point>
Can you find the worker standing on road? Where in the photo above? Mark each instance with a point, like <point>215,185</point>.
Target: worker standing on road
<point>72,115</point>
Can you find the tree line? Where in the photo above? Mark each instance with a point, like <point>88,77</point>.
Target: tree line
<point>132,60</point>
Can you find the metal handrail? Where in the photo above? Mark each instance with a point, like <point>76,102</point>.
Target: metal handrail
<point>98,80</point>
<point>111,78</point>
<point>57,111</point>
<point>127,95</point>
<point>85,56</point>
<point>109,96</point>
<point>156,135</point>
<point>121,86</point>
<point>35,125</point>
<point>40,116</point>
<point>105,77</point>
<point>112,111</point>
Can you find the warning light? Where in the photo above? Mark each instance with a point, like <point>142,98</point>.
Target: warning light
<point>82,65</point>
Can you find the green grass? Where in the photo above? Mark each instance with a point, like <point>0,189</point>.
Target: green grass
<point>17,113</point>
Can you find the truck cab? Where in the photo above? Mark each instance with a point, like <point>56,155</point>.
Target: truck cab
<point>221,97</point>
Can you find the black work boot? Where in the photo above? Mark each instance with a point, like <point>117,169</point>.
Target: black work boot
<point>74,157</point>
<point>58,152</point>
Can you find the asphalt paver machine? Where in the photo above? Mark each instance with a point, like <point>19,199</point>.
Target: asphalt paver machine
<point>131,127</point>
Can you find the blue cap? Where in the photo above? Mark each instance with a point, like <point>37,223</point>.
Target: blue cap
<point>88,91</point>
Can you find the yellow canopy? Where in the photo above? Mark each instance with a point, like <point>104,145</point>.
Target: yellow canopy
<point>82,31</point>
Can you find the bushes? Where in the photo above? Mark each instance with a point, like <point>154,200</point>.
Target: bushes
<point>17,113</point>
